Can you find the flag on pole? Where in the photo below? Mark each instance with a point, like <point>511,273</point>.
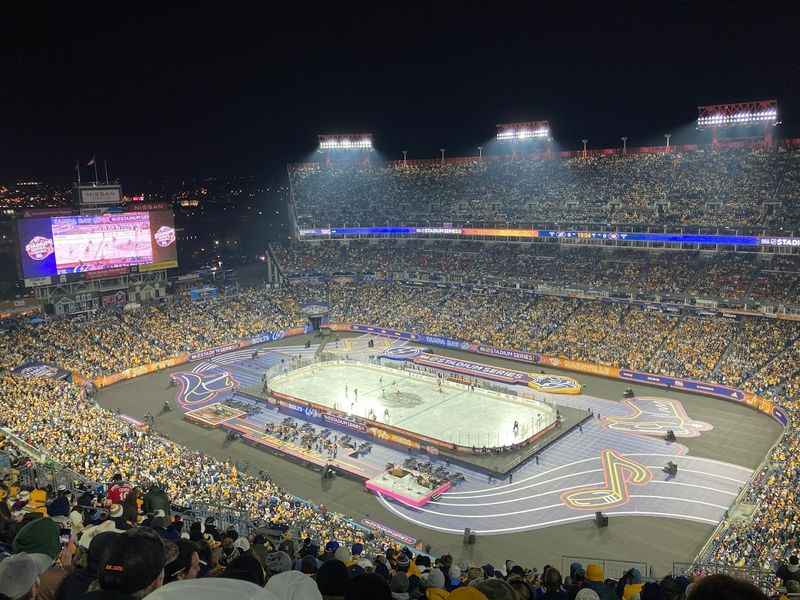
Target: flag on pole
<point>90,163</point>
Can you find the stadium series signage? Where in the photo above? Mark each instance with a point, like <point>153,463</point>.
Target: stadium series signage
<point>621,236</point>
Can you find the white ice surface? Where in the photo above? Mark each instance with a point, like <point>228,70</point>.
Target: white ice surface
<point>456,414</point>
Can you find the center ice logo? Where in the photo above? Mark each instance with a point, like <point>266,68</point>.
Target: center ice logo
<point>201,386</point>
<point>39,248</point>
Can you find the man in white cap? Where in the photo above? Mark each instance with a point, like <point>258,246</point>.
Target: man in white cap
<point>19,577</point>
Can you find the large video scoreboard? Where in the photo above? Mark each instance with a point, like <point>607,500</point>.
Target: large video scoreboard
<point>90,245</point>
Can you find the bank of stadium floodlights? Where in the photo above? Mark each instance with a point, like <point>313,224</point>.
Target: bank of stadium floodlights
<point>523,131</point>
<point>346,142</point>
<point>739,114</point>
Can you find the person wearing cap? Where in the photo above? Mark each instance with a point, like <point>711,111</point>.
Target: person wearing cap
<point>587,594</point>
<point>595,580</point>
<point>132,568</point>
<point>330,550</point>
<point>19,577</point>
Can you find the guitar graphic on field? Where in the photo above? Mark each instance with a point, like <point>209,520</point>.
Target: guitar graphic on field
<point>619,472</point>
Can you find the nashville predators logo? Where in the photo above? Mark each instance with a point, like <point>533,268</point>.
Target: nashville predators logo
<point>204,384</point>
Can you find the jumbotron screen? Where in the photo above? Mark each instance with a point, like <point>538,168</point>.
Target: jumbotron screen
<point>82,243</point>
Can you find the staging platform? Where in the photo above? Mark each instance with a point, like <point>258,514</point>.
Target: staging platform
<point>402,485</point>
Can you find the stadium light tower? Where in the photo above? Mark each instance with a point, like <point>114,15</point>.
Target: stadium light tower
<point>442,151</point>
<point>480,152</point>
<point>666,137</point>
<point>739,114</point>
<point>624,145</point>
<point>346,141</point>
<point>405,158</point>
<point>523,131</point>
<point>584,147</point>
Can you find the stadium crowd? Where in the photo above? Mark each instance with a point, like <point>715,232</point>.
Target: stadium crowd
<point>734,278</point>
<point>733,188</point>
<point>54,416</point>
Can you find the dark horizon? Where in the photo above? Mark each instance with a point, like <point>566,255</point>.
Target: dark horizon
<point>189,93</point>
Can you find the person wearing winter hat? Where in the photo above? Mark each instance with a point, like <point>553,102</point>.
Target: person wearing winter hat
<point>435,586</point>
<point>634,585</point>
<point>40,539</point>
<point>278,562</point>
<point>356,549</point>
<point>19,576</point>
<point>595,580</point>
<point>343,554</point>
<point>399,586</point>
<point>293,585</point>
<point>332,580</point>
<point>402,563</point>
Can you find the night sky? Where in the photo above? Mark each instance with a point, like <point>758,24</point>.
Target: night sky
<point>233,90</point>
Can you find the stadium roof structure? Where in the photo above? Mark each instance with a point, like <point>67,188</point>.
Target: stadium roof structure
<point>737,114</point>
<point>346,142</point>
<point>523,131</point>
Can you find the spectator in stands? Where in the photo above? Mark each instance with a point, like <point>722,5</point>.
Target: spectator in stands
<point>19,577</point>
<point>596,581</point>
<point>789,571</point>
<point>77,583</point>
<point>132,568</point>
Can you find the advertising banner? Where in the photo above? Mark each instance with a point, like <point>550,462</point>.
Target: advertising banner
<point>215,351</point>
<point>41,371</point>
<point>467,367</point>
<point>578,365</point>
<point>710,389</point>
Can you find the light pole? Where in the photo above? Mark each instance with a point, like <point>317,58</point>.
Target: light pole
<point>480,151</point>
<point>442,151</point>
<point>667,136</point>
<point>624,145</point>
<point>584,147</point>
<point>405,155</point>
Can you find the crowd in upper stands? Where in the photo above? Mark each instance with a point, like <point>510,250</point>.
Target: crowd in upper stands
<point>735,278</point>
<point>746,187</point>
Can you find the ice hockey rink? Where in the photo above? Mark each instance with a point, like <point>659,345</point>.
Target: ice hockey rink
<point>414,402</point>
